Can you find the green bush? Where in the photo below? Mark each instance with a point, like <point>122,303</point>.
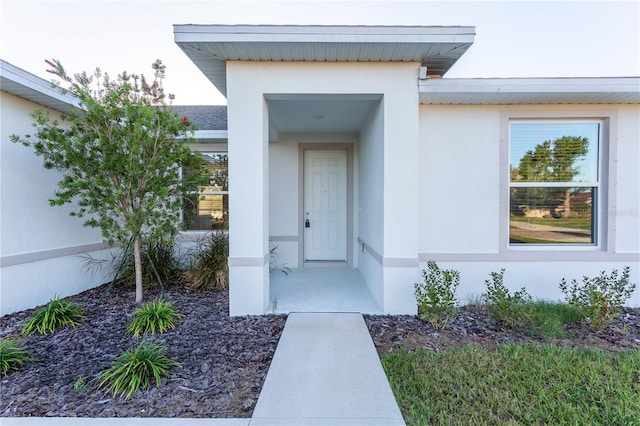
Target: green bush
<point>511,310</point>
<point>135,369</point>
<point>57,313</point>
<point>436,295</point>
<point>12,356</point>
<point>210,269</point>
<point>160,264</point>
<point>599,298</point>
<point>154,316</point>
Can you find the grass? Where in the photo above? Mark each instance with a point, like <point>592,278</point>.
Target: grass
<point>573,222</point>
<point>12,356</point>
<point>57,313</point>
<point>136,369</point>
<point>516,384</point>
<point>549,318</point>
<point>157,316</point>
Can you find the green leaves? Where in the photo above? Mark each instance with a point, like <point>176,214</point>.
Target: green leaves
<point>436,296</point>
<point>136,369</point>
<point>119,156</point>
<point>12,356</point>
<point>154,316</point>
<point>57,313</point>
<point>512,310</point>
<point>599,298</point>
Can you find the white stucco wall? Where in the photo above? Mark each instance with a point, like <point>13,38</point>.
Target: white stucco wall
<point>462,184</point>
<point>249,84</point>
<point>39,244</point>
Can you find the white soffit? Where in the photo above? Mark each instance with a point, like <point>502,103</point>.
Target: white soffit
<point>506,91</point>
<point>210,46</point>
<point>25,85</point>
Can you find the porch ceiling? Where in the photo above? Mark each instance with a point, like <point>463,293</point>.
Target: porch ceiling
<point>210,46</point>
<point>319,113</point>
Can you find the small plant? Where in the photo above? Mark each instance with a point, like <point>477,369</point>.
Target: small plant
<point>154,316</point>
<point>599,298</point>
<point>512,310</point>
<point>210,270</point>
<point>274,265</point>
<point>160,264</point>
<point>436,295</point>
<point>135,369</point>
<point>80,384</point>
<point>57,313</point>
<point>12,356</point>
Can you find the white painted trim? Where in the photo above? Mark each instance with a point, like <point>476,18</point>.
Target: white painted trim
<point>221,136</point>
<point>19,259</point>
<point>532,256</point>
<point>249,261</point>
<point>294,238</point>
<point>400,262</point>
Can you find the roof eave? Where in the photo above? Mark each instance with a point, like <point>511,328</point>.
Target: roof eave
<point>25,85</point>
<point>522,91</point>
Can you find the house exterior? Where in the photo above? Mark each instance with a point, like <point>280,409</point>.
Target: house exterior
<point>41,248</point>
<point>347,147</point>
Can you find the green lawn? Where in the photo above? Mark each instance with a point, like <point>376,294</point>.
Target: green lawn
<point>516,384</point>
<point>573,222</point>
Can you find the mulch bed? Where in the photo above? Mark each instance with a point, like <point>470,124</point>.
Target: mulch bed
<point>224,360</point>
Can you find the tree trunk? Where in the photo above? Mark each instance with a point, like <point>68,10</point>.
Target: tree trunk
<point>137,258</point>
<point>567,204</point>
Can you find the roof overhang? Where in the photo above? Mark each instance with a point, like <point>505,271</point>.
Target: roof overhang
<point>25,85</point>
<point>507,91</point>
<point>211,46</point>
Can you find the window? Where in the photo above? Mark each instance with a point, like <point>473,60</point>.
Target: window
<point>208,208</point>
<point>554,182</point>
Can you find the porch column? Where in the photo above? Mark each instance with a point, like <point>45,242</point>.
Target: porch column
<point>248,201</point>
<point>401,225</point>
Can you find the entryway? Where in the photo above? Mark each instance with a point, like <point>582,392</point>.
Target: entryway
<point>320,290</point>
<point>325,205</point>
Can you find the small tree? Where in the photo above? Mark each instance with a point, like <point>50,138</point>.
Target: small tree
<point>120,156</point>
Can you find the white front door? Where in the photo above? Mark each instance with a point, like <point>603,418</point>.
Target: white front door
<point>325,205</point>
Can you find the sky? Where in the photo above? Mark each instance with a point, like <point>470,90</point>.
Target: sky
<point>513,38</point>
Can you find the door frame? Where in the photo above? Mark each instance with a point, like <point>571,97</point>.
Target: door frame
<point>302,147</point>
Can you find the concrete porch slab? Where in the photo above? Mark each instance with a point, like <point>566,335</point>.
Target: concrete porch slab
<point>326,372</point>
<point>320,290</point>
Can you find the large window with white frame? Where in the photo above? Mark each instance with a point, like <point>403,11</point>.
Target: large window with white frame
<point>208,207</point>
<point>554,182</point>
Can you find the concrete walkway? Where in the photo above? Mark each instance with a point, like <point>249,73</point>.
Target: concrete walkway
<point>326,372</point>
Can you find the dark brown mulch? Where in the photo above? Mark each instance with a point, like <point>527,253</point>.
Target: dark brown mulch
<point>224,360</point>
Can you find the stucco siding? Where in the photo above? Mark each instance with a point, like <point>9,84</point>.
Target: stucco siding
<point>39,244</point>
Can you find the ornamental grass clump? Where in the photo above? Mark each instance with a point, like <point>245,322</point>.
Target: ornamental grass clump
<point>157,316</point>
<point>210,269</point>
<point>12,356</point>
<point>436,295</point>
<point>599,298</point>
<point>57,313</point>
<point>136,369</point>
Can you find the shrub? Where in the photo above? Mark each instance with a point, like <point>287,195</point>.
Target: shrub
<point>57,313</point>
<point>160,264</point>
<point>12,356</point>
<point>599,298</point>
<point>135,369</point>
<point>154,316</point>
<point>512,310</point>
<point>210,270</point>
<point>436,295</point>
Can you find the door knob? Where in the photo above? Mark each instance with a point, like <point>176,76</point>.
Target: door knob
<point>307,224</point>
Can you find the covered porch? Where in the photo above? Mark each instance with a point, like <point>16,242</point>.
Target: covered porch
<point>320,290</point>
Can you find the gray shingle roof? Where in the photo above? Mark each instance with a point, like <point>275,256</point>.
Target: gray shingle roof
<point>205,117</point>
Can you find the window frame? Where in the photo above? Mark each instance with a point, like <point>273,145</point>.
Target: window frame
<point>212,149</point>
<point>603,195</point>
